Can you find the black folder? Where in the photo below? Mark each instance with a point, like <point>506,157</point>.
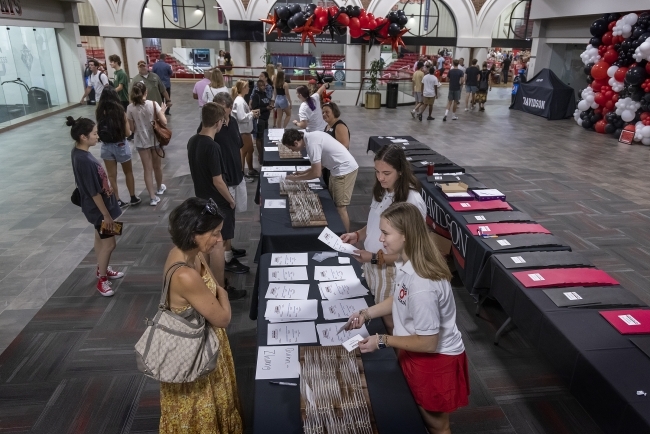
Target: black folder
<point>642,342</point>
<point>426,151</point>
<point>414,146</point>
<point>521,241</point>
<point>440,178</point>
<point>497,217</point>
<point>593,296</point>
<point>439,168</point>
<point>542,259</point>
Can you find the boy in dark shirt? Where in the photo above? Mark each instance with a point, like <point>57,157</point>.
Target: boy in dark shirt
<point>206,168</point>
<point>260,101</point>
<point>455,78</point>
<point>471,83</point>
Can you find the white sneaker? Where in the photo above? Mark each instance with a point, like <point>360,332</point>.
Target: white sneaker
<point>455,118</point>
<point>413,114</point>
<point>154,201</point>
<point>466,109</point>
<point>162,189</point>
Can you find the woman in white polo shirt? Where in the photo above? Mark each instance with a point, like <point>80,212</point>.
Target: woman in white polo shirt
<point>431,351</point>
<point>310,113</point>
<point>394,182</point>
<point>325,151</point>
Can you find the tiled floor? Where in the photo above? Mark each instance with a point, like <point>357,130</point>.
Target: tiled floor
<point>72,367</point>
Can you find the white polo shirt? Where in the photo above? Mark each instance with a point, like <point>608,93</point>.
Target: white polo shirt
<point>314,118</point>
<point>330,153</point>
<point>372,243</point>
<point>425,307</point>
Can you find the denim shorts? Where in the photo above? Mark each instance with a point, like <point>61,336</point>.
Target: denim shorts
<point>454,95</point>
<point>120,152</point>
<point>281,102</point>
<point>471,89</point>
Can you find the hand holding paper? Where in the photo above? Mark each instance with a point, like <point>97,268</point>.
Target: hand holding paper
<point>335,242</point>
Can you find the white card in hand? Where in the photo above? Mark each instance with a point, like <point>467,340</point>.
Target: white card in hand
<point>278,259</point>
<point>334,241</point>
<point>287,274</point>
<point>328,334</point>
<point>288,291</point>
<point>353,342</point>
<point>342,308</point>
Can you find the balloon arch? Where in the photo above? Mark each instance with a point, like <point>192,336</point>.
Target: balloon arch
<point>617,64</point>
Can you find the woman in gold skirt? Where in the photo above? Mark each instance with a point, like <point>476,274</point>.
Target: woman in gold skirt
<point>209,405</point>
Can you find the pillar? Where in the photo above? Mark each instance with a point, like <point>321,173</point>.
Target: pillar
<point>73,60</point>
<point>479,54</point>
<point>463,52</point>
<point>238,54</point>
<point>134,53</point>
<point>353,61</point>
<point>113,46</point>
<point>541,50</point>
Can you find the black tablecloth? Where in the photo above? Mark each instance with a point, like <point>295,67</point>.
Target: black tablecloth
<point>469,253</point>
<point>375,143</point>
<point>603,368</point>
<point>277,408</point>
<point>272,158</point>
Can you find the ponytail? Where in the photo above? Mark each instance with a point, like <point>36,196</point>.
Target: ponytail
<point>137,93</point>
<point>304,92</point>
<point>80,127</point>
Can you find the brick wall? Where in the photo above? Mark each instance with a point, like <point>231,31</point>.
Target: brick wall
<point>478,4</point>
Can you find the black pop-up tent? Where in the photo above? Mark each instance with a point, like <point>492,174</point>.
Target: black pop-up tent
<point>545,95</point>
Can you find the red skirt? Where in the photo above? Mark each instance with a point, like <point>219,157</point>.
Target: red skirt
<point>438,382</point>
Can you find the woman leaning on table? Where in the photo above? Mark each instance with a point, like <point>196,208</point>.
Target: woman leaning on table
<point>394,182</point>
<point>211,403</point>
<point>431,351</point>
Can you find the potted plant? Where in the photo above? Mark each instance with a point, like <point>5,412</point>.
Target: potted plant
<point>373,97</point>
<point>266,57</point>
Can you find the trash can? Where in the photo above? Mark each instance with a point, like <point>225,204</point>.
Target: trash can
<point>391,95</point>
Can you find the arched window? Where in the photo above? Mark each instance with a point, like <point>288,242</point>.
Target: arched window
<point>514,23</point>
<point>184,14</point>
<point>430,18</point>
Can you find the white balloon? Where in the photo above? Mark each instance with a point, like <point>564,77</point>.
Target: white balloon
<point>627,116</point>
<point>631,18</point>
<point>579,121</point>
<point>646,141</point>
<point>645,131</point>
<point>612,70</point>
<point>594,105</point>
<point>583,105</point>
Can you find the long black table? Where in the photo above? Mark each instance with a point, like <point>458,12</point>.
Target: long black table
<point>604,369</point>
<point>272,158</point>
<point>415,152</point>
<point>469,252</point>
<point>278,236</point>
<point>277,408</point>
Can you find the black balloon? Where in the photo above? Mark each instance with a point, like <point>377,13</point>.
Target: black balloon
<point>403,19</point>
<point>348,9</point>
<point>609,128</point>
<point>392,17</point>
<point>618,132</point>
<point>635,75</point>
<point>643,37</point>
<point>590,79</point>
<point>394,29</point>
<point>283,12</point>
<point>341,30</point>
<point>584,115</point>
<point>292,23</point>
<point>614,17</point>
<point>310,8</point>
<point>599,27</point>
<point>595,41</point>
<point>586,124</point>
<point>637,32</point>
<point>401,12</point>
<point>620,123</point>
<point>646,98</point>
<point>588,67</point>
<point>299,19</point>
<point>295,8</point>
<point>285,28</point>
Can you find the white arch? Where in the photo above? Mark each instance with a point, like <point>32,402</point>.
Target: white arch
<point>489,14</point>
<point>462,10</point>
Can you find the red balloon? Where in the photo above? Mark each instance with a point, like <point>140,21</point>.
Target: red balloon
<point>354,23</point>
<point>343,19</point>
<point>647,67</point>
<point>615,98</point>
<point>607,38</point>
<point>602,49</point>
<point>611,25</point>
<point>620,74</point>
<point>600,126</point>
<point>608,93</point>
<point>372,24</point>
<point>609,105</point>
<point>319,11</point>
<point>370,16</point>
<point>356,33</point>
<point>645,115</point>
<point>606,110</point>
<point>362,13</point>
<point>600,99</point>
<point>363,21</point>
<point>598,111</point>
<point>384,31</point>
<point>610,56</point>
<point>322,21</point>
<point>333,10</point>
<point>596,85</point>
<point>599,70</point>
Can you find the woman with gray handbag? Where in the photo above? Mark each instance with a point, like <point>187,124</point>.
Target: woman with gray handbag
<point>192,358</point>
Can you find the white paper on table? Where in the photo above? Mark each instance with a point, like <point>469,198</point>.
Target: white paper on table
<point>288,291</point>
<point>399,140</point>
<point>334,241</point>
<point>324,273</point>
<point>278,168</point>
<point>291,333</point>
<point>279,259</point>
<point>344,260</point>
<point>271,148</point>
<point>287,274</point>
<point>487,192</point>
<point>342,289</point>
<point>291,310</point>
<point>327,333</point>
<point>352,343</point>
<point>274,180</point>
<point>277,363</point>
<point>338,309</point>
<point>274,175</point>
<point>459,194</point>
<point>302,168</point>
<point>275,203</point>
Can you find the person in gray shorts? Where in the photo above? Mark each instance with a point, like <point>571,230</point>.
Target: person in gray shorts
<point>456,77</point>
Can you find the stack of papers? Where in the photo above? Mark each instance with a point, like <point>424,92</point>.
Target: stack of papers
<point>275,203</point>
<point>328,334</point>
<point>324,274</point>
<point>288,291</point>
<point>275,134</point>
<point>270,149</point>
<point>288,274</point>
<point>342,309</point>
<point>292,333</point>
<point>342,289</point>
<point>320,257</point>
<point>291,310</point>
<point>334,241</point>
<point>278,168</point>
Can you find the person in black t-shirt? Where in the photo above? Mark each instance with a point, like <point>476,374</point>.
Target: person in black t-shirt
<point>507,60</point>
<point>471,83</point>
<point>261,101</point>
<point>206,167</point>
<point>455,78</point>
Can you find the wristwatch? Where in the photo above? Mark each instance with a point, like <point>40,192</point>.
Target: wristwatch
<point>373,260</point>
<point>381,342</point>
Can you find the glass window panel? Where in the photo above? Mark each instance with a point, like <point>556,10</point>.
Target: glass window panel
<point>430,18</point>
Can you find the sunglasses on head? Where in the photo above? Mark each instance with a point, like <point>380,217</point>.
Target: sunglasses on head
<point>211,208</point>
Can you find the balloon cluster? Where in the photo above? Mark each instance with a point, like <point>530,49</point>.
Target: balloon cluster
<point>617,64</point>
<point>309,20</point>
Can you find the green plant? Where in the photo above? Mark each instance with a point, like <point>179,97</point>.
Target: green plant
<point>266,57</point>
<point>312,70</point>
<point>376,67</point>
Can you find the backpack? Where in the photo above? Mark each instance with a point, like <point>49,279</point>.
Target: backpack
<point>483,84</point>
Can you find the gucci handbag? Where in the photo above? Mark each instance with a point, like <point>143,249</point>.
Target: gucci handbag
<point>176,348</point>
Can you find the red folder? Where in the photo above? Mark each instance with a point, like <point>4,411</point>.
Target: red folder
<point>483,205</point>
<point>629,321</point>
<point>561,277</point>
<point>507,228</point>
